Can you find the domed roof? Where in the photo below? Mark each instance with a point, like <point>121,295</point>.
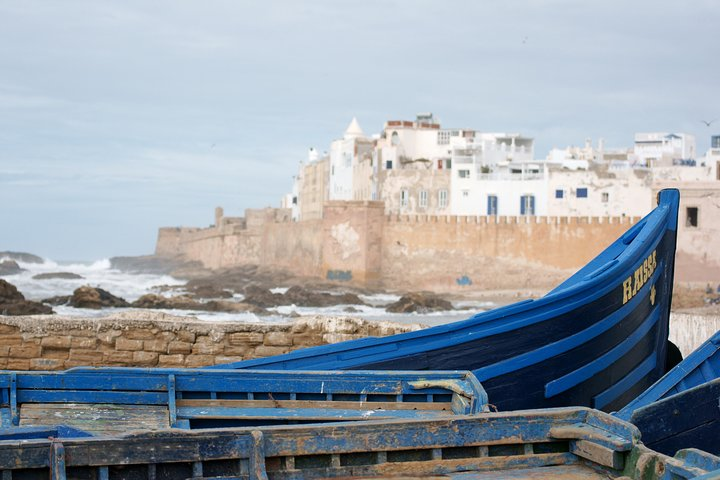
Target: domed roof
<point>353,130</point>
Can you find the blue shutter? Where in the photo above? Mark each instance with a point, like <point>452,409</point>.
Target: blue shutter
<point>532,204</point>
<point>522,205</point>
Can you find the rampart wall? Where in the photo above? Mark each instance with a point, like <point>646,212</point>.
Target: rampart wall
<point>356,242</point>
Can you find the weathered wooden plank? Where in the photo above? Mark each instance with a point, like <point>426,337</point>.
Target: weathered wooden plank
<point>100,419</point>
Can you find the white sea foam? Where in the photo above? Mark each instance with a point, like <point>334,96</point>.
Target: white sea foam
<point>129,286</point>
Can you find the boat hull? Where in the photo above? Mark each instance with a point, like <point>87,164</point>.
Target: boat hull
<point>597,340</point>
<point>681,409</point>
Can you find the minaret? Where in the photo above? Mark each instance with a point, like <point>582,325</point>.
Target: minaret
<point>353,130</point>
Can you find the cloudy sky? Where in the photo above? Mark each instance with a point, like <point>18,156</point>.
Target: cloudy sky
<point>120,116</point>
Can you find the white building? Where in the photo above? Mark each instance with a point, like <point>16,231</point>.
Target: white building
<point>495,174</point>
<point>343,153</point>
<point>663,149</point>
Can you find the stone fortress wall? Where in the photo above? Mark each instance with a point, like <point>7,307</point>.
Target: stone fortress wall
<point>356,242</point>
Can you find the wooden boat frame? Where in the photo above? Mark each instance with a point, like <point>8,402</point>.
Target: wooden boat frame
<point>550,443</point>
<point>114,400</point>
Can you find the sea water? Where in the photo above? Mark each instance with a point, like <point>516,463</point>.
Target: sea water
<point>131,286</point>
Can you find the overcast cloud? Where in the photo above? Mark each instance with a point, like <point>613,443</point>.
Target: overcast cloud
<point>118,117</point>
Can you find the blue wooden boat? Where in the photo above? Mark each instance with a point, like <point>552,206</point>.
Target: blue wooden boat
<point>681,409</point>
<point>539,444</point>
<point>599,339</point>
<point>115,400</point>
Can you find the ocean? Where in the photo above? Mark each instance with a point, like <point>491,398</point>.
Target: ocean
<point>132,286</point>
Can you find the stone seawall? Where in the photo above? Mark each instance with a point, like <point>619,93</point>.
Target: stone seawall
<point>152,339</point>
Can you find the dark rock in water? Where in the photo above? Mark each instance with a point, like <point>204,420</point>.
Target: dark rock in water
<point>233,307</point>
<point>59,300</point>
<point>61,275</point>
<point>305,298</point>
<point>13,302</point>
<point>22,257</point>
<point>262,297</point>
<point>180,302</point>
<point>9,293</point>
<point>210,291</point>
<point>91,297</point>
<point>351,310</point>
<point>184,302</point>
<point>420,303</point>
<point>299,296</point>
<point>10,267</point>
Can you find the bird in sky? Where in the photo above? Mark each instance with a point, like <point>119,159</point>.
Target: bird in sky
<point>707,124</point>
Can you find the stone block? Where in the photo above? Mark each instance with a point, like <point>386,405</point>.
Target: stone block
<point>185,336</point>
<point>208,348</point>
<point>192,361</point>
<point>278,339</point>
<point>246,338</point>
<point>307,339</point>
<point>4,350</point>
<point>139,334</point>
<point>157,345</point>
<point>220,359</point>
<point>46,364</point>
<point>60,354</point>
<point>56,342</point>
<point>238,351</point>
<point>179,347</point>
<point>88,357</point>
<point>122,358</point>
<point>176,360</point>
<point>8,329</point>
<point>165,335</point>
<point>125,344</point>
<point>83,332</point>
<point>24,351</point>
<point>338,337</point>
<point>109,337</point>
<point>268,351</point>
<point>11,340</point>
<point>83,342</point>
<point>73,363</point>
<point>18,364</point>
<point>148,359</point>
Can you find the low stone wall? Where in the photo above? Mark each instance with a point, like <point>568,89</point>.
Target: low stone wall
<point>152,339</point>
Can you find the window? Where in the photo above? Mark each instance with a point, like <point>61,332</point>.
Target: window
<point>691,217</point>
<point>404,196</point>
<point>581,193</point>
<point>492,205</point>
<point>605,197</point>
<point>527,205</point>
<point>440,164</point>
<point>423,198</point>
<point>388,164</point>
<point>442,198</point>
<point>559,193</point>
<point>464,173</point>
<point>448,163</point>
<point>294,201</point>
<point>466,193</point>
<point>394,138</point>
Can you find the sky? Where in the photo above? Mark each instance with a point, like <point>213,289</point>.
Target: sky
<point>118,117</point>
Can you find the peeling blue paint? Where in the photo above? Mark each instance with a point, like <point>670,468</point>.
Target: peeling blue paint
<point>463,281</point>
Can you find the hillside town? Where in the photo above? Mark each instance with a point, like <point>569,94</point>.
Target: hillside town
<point>420,168</point>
